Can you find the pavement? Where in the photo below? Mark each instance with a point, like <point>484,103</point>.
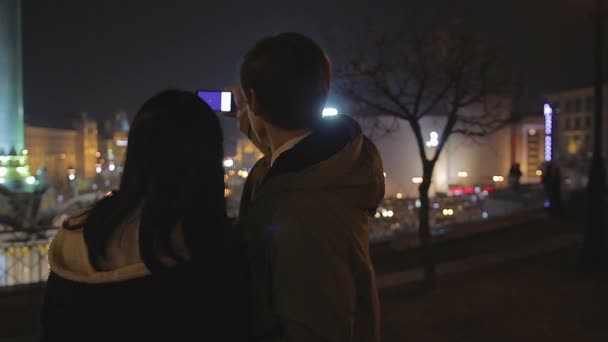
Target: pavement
<point>480,261</point>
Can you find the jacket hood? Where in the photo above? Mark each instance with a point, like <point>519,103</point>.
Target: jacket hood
<point>69,256</point>
<point>351,166</point>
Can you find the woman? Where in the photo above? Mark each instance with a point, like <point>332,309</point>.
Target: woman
<point>156,258</point>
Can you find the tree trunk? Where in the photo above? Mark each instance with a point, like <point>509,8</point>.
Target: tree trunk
<point>424,229</point>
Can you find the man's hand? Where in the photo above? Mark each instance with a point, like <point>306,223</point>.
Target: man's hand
<point>241,102</point>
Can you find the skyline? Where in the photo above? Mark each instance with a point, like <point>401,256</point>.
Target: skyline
<point>102,58</point>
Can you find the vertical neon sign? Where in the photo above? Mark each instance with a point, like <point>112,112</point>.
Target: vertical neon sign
<point>548,131</point>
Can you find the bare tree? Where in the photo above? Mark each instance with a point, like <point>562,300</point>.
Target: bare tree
<point>411,72</point>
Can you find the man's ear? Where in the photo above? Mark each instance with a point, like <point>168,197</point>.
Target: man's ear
<point>254,105</point>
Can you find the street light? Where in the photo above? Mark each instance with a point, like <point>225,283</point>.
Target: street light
<point>330,111</point>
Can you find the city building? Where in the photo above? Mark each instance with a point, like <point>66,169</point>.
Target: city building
<point>573,130</point>
<point>56,151</point>
<point>113,142</point>
<point>465,162</point>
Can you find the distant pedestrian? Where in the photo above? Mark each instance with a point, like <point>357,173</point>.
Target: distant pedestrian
<point>515,176</point>
<point>156,259</point>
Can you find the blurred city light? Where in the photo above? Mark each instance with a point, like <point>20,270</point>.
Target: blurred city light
<point>399,195</point>
<point>228,162</point>
<point>498,179</point>
<point>1,180</point>
<point>98,169</point>
<point>539,172</point>
<point>111,167</point>
<point>25,152</point>
<point>3,171</point>
<point>417,180</point>
<point>463,174</point>
<point>21,170</point>
<point>330,111</point>
<point>71,176</point>
<point>434,141</point>
<point>30,180</point>
<point>484,215</point>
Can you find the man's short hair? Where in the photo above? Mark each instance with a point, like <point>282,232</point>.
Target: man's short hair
<point>291,76</point>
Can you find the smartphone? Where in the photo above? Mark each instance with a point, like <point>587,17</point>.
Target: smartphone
<point>219,101</point>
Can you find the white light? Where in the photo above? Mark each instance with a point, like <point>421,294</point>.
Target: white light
<point>434,141</point>
<point>226,101</point>
<point>228,163</point>
<point>329,111</point>
<point>22,170</point>
<point>384,173</point>
<point>390,213</point>
<point>1,180</point>
<point>98,169</point>
<point>25,152</point>
<point>548,110</point>
<point>463,174</point>
<point>539,172</point>
<point>377,215</point>
<point>484,215</point>
<point>71,176</point>
<point>418,204</point>
<point>417,180</point>
<point>244,174</point>
<point>30,180</point>
<point>3,171</point>
<point>498,179</point>
<point>436,205</point>
<point>399,195</point>
<point>122,143</point>
<point>112,167</point>
<point>532,132</point>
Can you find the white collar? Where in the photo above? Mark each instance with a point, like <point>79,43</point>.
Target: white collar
<point>286,147</point>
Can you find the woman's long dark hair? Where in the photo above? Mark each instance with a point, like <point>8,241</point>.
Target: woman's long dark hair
<point>173,169</point>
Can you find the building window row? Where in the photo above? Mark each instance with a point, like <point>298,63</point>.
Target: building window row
<point>576,105</point>
<point>577,123</point>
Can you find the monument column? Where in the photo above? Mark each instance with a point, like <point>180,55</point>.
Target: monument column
<point>14,169</point>
<point>11,84</point>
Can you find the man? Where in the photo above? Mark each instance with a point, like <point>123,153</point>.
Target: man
<point>305,205</point>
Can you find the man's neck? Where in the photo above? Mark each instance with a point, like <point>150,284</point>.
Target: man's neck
<point>277,137</point>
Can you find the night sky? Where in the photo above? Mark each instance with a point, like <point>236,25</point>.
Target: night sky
<point>103,56</point>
